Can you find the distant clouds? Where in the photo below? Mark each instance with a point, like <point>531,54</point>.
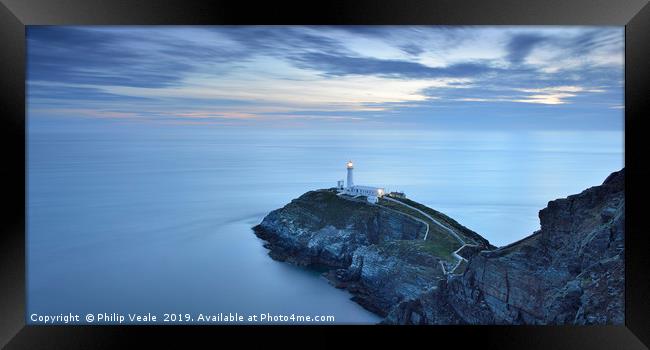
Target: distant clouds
<point>521,45</point>
<point>391,68</point>
<point>441,76</point>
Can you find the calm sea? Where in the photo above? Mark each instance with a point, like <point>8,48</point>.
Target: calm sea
<point>136,220</point>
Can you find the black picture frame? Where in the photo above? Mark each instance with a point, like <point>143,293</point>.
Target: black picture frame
<point>16,14</point>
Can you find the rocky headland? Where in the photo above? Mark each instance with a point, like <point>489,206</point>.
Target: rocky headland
<point>568,272</point>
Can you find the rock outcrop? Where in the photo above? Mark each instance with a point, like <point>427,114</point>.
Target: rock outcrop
<point>377,253</point>
<point>571,271</point>
<point>568,272</point>
<point>383,275</point>
<point>321,229</point>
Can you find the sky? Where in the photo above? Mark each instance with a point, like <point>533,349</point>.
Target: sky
<point>438,77</point>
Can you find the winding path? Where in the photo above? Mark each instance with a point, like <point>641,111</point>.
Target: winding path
<point>450,231</point>
<point>426,233</point>
<point>462,242</point>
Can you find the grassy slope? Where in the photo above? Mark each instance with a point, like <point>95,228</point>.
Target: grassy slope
<point>468,235</point>
<point>333,210</point>
<point>419,252</point>
<point>439,242</point>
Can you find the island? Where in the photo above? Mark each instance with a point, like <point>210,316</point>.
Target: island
<point>412,264</point>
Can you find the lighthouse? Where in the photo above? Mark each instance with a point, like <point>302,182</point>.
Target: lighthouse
<point>350,167</point>
<point>371,193</point>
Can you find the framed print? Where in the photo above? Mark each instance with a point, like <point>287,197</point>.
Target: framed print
<point>422,169</point>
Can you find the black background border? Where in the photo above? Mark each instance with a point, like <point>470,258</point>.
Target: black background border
<point>15,14</point>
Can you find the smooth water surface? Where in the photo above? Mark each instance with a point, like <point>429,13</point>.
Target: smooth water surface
<point>159,220</point>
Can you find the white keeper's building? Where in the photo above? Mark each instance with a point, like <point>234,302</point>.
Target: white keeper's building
<point>372,193</point>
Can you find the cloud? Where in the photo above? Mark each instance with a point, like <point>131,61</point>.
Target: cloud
<point>313,74</point>
<point>64,92</point>
<point>83,56</point>
<point>139,57</point>
<point>546,99</point>
<point>352,92</point>
<point>84,113</point>
<point>593,39</point>
<point>412,49</point>
<point>338,65</point>
<point>548,95</point>
<point>521,45</point>
<point>553,95</point>
<point>216,115</point>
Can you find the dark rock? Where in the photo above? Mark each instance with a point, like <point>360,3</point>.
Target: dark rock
<point>569,272</point>
<point>376,253</point>
<point>468,251</point>
<point>321,229</point>
<point>390,272</point>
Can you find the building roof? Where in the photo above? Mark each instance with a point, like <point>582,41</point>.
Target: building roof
<point>369,188</point>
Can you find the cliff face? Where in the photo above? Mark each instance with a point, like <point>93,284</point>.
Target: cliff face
<point>321,229</point>
<point>571,271</point>
<point>568,272</point>
<point>383,275</point>
<point>375,252</point>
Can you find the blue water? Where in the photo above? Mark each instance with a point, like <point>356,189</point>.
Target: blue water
<point>132,219</point>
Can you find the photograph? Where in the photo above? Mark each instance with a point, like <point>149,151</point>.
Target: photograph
<point>325,175</point>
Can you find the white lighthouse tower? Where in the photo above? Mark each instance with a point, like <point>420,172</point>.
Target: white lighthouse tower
<point>350,167</point>
<point>371,193</point>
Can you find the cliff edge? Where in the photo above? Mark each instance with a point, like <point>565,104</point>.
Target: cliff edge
<point>383,253</point>
<point>571,271</point>
<point>414,265</point>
